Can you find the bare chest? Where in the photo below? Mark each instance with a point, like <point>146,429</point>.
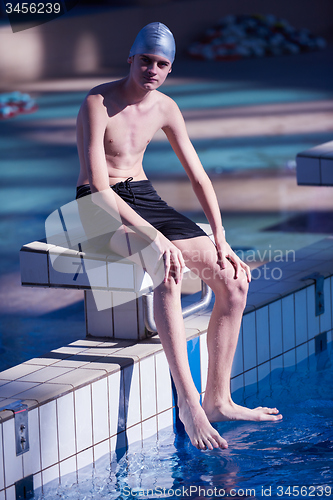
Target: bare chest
<point>129,132</point>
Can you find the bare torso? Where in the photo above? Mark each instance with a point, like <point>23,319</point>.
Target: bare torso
<point>128,130</point>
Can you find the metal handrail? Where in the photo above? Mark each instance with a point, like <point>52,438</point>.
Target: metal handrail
<point>206,296</point>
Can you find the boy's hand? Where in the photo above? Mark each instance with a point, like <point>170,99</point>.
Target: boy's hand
<point>224,253</point>
<point>173,260</point>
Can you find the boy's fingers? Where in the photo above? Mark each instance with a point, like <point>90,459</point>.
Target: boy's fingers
<point>248,273</point>
<point>166,257</point>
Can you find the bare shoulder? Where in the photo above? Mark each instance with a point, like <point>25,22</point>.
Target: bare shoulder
<point>167,104</point>
<point>171,112</point>
<point>95,98</point>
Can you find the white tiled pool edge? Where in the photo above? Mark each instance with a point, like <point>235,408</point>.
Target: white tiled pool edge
<point>89,398</point>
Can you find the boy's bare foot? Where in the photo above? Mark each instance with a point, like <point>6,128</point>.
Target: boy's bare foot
<point>201,433</point>
<point>232,411</point>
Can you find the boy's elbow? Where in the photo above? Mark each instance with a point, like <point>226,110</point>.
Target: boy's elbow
<point>200,182</point>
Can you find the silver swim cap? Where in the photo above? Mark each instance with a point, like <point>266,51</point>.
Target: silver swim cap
<point>155,38</point>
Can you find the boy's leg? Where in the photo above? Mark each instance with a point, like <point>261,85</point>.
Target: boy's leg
<point>170,326</point>
<point>171,330</point>
<point>222,334</point>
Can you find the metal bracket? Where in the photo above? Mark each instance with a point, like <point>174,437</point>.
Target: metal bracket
<point>319,291</point>
<point>20,411</point>
<point>206,296</point>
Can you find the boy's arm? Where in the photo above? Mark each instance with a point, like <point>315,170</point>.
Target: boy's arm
<point>176,133</point>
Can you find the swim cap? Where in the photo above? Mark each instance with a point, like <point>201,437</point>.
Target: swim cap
<point>155,38</point>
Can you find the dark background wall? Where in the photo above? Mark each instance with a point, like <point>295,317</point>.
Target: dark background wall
<point>96,38</point>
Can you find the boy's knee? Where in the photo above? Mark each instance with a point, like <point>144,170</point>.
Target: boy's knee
<point>232,290</point>
<point>238,289</point>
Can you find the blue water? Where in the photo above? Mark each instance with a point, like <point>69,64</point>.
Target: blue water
<point>292,458</point>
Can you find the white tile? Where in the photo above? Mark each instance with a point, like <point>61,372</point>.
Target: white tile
<point>288,322</point>
<point>132,394</point>
<point>102,458</point>
<point>10,493</point>
<point>83,418</point>
<point>165,419</point>
<point>250,377</point>
<point>121,275</point>
<point>2,472</point>
<point>37,480</point>
<point>203,361</point>
<point>148,387</point>
<point>134,436</point>
<point>149,428</point>
<point>34,267</point>
<point>13,464</point>
<point>101,449</point>
<point>100,409</point>
<point>275,328</point>
<point>46,374</point>
<point>289,358</point>
<point>18,371</point>
<point>67,466</point>
<point>125,315</point>
<point>301,325</point>
<point>238,361</point>
<point>249,340</point>
<point>98,306</point>
<point>16,387</point>
<point>96,271</point>
<point>163,382</point>
<point>48,434</point>
<point>325,320</point>
<point>116,402</point>
<point>313,320</point>
<point>50,474</point>
<point>237,383</point>
<point>264,370</point>
<point>277,363</point>
<point>66,268</point>
<point>84,459</point>
<point>311,347</point>
<point>301,353</point>
<point>66,425</point>
<point>262,327</point>
<point>31,459</point>
<point>2,495</point>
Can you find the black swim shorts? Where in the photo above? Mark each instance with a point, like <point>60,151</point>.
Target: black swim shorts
<point>142,197</point>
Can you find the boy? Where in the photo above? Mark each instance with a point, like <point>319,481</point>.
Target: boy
<point>115,124</point>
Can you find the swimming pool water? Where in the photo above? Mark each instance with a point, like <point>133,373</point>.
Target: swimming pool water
<point>292,458</point>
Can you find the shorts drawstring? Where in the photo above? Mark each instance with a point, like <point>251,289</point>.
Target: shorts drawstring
<point>125,185</point>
